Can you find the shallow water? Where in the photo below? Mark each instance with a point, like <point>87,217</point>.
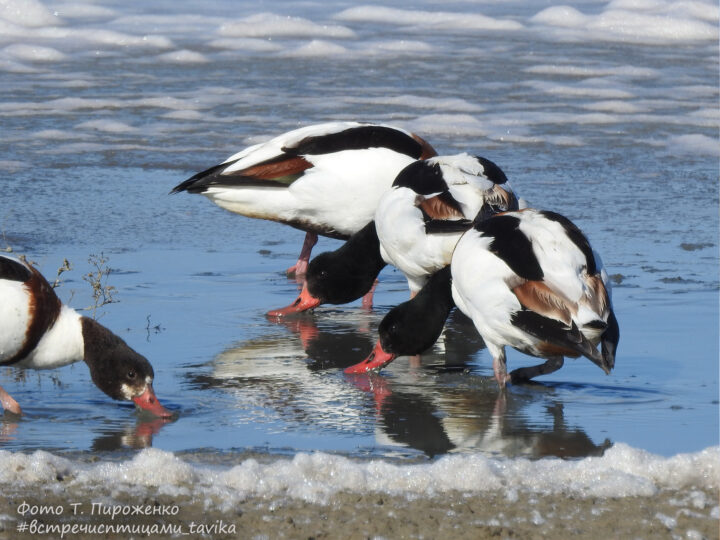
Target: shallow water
<point>107,109</point>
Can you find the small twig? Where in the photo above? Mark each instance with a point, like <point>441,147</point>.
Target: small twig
<point>157,328</point>
<point>102,292</point>
<point>66,267</point>
<point>24,259</point>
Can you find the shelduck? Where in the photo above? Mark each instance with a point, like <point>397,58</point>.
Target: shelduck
<point>40,332</point>
<point>528,279</point>
<point>417,224</point>
<point>430,205</point>
<point>324,179</point>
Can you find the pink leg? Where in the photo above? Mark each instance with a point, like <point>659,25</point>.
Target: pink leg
<point>500,370</point>
<point>367,300</point>
<point>8,403</point>
<point>300,267</point>
<point>414,361</point>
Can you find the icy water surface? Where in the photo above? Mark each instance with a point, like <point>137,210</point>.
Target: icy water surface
<point>105,107</point>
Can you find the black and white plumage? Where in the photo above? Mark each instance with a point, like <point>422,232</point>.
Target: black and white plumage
<point>529,279</point>
<point>325,179</point>
<point>37,331</point>
<point>417,224</point>
<point>430,205</point>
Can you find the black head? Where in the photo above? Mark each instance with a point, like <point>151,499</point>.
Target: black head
<point>423,177</point>
<point>346,274</point>
<point>336,279</point>
<point>414,326</point>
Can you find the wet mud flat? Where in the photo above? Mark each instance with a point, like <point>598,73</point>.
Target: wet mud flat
<point>670,513</point>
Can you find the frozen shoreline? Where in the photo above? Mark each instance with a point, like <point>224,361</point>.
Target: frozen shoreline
<point>317,477</point>
<point>626,493</point>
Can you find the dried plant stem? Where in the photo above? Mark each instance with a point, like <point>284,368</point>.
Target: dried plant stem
<point>102,292</point>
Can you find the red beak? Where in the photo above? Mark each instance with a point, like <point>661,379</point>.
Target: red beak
<point>302,303</point>
<point>148,401</point>
<point>377,359</point>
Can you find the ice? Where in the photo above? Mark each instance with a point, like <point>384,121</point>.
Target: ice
<point>650,21</point>
<point>246,44</point>
<point>27,13</point>
<point>34,53</point>
<point>622,472</point>
<point>594,88</point>
<point>318,47</point>
<point>183,56</point>
<point>83,11</point>
<point>455,124</point>
<point>669,522</point>
<point>11,66</point>
<point>108,126</point>
<point>694,144</point>
<point>399,47</point>
<point>422,102</point>
<point>569,70</point>
<point>271,24</point>
<point>615,106</point>
<point>423,20</point>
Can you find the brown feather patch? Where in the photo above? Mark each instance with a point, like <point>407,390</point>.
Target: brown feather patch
<point>550,349</point>
<point>502,197</point>
<point>44,308</point>
<point>439,207</point>
<point>538,297</point>
<point>596,298</point>
<point>427,150</point>
<point>271,170</point>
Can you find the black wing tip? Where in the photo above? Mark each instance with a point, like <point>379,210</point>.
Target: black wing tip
<point>196,184</point>
<point>183,186</point>
<point>199,182</point>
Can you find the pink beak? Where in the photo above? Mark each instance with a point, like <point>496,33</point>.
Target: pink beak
<point>148,401</point>
<point>377,359</point>
<point>302,303</point>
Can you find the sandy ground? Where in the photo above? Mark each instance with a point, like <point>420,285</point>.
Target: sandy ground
<point>690,514</point>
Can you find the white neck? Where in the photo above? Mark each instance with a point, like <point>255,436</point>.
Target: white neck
<point>61,345</point>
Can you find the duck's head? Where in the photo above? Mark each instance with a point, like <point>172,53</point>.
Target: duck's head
<point>118,370</point>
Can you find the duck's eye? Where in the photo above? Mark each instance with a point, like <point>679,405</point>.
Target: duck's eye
<point>131,374</point>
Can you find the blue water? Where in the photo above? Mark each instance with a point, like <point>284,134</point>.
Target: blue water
<point>620,136</point>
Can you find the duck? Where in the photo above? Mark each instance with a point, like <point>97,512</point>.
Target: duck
<point>40,332</point>
<point>430,205</point>
<point>412,327</point>
<point>528,279</point>
<point>340,276</point>
<point>417,222</point>
<point>325,179</point>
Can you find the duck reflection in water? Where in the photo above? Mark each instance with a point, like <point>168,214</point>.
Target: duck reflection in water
<point>440,408</point>
<point>136,436</point>
<point>470,416</point>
